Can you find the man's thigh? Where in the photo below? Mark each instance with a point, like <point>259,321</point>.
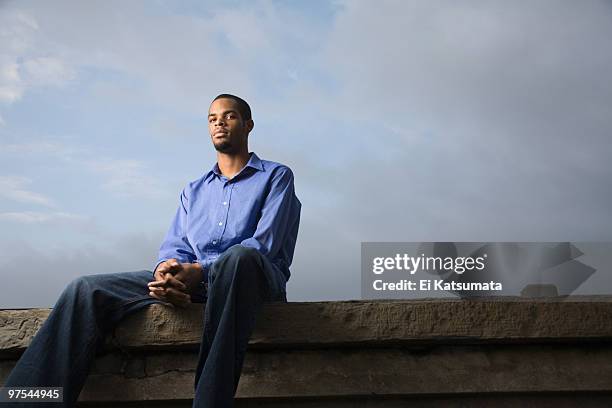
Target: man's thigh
<point>112,291</point>
<point>275,280</point>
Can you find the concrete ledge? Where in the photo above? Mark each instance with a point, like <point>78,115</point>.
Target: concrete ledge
<point>358,323</point>
<point>376,352</point>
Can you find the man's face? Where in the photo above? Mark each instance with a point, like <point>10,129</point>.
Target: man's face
<point>228,130</point>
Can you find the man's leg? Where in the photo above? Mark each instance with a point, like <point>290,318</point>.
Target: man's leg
<point>239,283</point>
<point>62,351</point>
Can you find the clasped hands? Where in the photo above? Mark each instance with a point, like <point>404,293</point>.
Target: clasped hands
<point>175,281</point>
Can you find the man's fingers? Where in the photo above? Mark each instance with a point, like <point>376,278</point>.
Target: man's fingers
<point>159,274</point>
<point>161,270</point>
<point>158,294</point>
<point>168,281</point>
<point>166,286</point>
<point>177,297</point>
<point>173,266</point>
<point>169,294</point>
<point>169,266</point>
<point>172,263</point>
<point>158,283</point>
<point>172,281</point>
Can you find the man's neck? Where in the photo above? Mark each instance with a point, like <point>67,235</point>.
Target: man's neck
<point>231,164</point>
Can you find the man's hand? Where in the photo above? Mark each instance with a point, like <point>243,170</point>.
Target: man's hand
<point>171,266</point>
<point>174,282</point>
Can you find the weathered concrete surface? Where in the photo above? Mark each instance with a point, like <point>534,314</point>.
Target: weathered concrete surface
<point>364,354</point>
<point>17,327</point>
<point>359,323</point>
<point>391,372</point>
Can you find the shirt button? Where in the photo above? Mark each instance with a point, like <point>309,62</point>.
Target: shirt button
<point>225,203</point>
<point>214,242</point>
<point>220,223</point>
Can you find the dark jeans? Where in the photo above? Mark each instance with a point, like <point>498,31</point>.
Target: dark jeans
<point>62,351</point>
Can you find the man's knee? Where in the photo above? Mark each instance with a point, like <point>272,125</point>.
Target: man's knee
<point>92,285</point>
<point>238,261</point>
<point>80,285</point>
<point>243,253</point>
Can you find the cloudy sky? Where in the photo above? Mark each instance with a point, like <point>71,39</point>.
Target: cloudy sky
<point>402,120</point>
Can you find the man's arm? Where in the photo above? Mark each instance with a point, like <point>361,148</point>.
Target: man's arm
<point>176,257</point>
<point>175,244</point>
<point>277,215</point>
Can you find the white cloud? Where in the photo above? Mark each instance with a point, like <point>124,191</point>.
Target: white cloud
<point>27,60</point>
<point>10,72</point>
<point>126,178</point>
<point>180,66</point>
<point>13,188</point>
<point>47,71</point>
<point>52,228</point>
<point>35,217</point>
<point>54,149</point>
<point>11,88</point>
<point>121,177</point>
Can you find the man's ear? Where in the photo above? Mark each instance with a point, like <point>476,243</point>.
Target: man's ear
<point>250,125</point>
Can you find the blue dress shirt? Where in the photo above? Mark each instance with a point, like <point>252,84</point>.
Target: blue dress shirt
<point>256,208</point>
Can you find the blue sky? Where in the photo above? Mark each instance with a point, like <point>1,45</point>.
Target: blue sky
<point>402,121</point>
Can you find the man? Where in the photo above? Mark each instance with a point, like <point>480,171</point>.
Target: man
<point>230,245</point>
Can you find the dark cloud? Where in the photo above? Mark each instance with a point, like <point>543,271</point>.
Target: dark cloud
<point>478,122</point>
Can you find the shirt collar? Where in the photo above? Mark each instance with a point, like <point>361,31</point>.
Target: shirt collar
<point>254,162</point>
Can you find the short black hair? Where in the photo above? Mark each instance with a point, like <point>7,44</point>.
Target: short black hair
<point>243,106</point>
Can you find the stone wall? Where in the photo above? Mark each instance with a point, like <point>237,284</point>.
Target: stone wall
<point>432,352</point>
